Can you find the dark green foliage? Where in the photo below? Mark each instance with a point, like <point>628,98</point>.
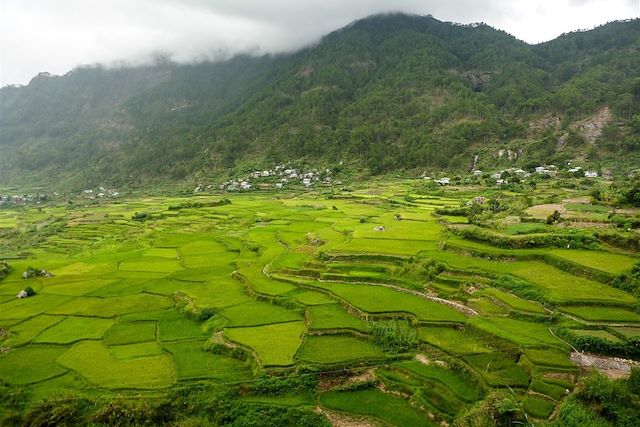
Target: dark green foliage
<point>611,400</point>
<point>574,414</point>
<point>272,385</point>
<point>629,281</point>
<point>554,217</point>
<point>5,268</point>
<point>29,290</point>
<point>196,205</point>
<point>572,239</point>
<point>499,408</point>
<point>630,348</point>
<point>634,381</point>
<point>66,411</point>
<point>461,211</point>
<point>31,273</point>
<point>394,336</point>
<point>141,216</point>
<point>246,415</point>
<point>632,195</point>
<point>363,95</point>
<point>519,287</point>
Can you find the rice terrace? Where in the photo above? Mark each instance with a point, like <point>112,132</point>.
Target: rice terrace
<point>377,305</point>
<point>241,213</point>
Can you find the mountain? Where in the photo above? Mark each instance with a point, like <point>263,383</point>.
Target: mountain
<point>386,93</point>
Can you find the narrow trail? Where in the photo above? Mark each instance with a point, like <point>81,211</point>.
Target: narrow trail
<point>590,323</point>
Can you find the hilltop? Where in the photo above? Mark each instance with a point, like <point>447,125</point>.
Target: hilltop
<point>386,93</point>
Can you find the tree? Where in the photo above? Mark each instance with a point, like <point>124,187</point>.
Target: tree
<point>554,218</point>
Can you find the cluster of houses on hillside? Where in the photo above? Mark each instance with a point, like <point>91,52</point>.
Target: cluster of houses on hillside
<point>101,193</point>
<point>279,177</point>
<point>502,176</point>
<point>25,198</point>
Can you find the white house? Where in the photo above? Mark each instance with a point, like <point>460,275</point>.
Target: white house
<point>591,174</point>
<point>22,294</point>
<point>444,181</point>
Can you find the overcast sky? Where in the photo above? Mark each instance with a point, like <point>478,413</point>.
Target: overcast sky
<point>57,35</point>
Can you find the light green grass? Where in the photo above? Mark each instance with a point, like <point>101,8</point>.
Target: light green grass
<point>329,349</point>
<point>515,302</point>
<point>171,325</point>
<point>111,307</point>
<point>312,298</point>
<point>130,333</point>
<point>549,358</point>
<point>602,314</point>
<point>458,382</point>
<point>74,329</point>
<point>388,408</point>
<point>96,364</point>
<point>377,299</point>
<point>452,340</point>
<point>194,363</point>
<point>275,344</point>
<point>258,313</point>
<point>26,331</point>
<point>538,407</point>
<point>629,332</point>
<point>30,364</point>
<point>333,316</point>
<point>600,260</point>
<point>597,333</point>
<point>129,351</point>
<point>498,370</point>
<point>518,331</point>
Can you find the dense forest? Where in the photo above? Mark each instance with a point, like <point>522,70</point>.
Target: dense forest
<point>386,93</point>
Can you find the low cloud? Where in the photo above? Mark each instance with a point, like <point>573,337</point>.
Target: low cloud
<point>55,36</point>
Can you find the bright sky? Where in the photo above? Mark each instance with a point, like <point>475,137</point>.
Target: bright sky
<point>57,35</point>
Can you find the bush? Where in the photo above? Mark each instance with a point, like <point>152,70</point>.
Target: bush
<point>394,336</point>
<point>30,292</point>
<point>271,385</point>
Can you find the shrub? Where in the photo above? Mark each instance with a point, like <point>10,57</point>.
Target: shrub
<point>394,335</point>
<point>296,383</point>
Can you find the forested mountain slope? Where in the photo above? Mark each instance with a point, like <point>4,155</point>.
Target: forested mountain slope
<point>388,92</point>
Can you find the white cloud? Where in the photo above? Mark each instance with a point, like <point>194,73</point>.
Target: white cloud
<point>56,35</point>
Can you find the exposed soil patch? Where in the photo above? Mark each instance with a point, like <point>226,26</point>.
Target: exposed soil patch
<point>591,128</point>
<point>612,367</point>
<point>338,419</point>
<point>543,211</point>
<point>339,380</point>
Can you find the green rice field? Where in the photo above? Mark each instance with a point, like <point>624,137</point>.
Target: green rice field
<point>306,290</point>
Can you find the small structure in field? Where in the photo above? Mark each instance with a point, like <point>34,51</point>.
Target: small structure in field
<point>22,294</point>
<point>379,228</point>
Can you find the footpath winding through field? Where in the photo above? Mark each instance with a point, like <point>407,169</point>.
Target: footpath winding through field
<point>602,323</point>
<point>453,304</point>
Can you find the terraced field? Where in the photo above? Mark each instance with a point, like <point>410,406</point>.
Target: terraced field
<point>399,320</point>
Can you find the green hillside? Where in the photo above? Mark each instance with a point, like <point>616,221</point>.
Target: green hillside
<point>387,93</point>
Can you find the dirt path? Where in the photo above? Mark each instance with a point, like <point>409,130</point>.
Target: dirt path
<point>591,323</point>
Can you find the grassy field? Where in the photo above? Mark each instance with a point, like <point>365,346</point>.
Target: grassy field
<point>297,282</point>
<point>337,349</point>
<point>388,408</point>
<point>276,344</point>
